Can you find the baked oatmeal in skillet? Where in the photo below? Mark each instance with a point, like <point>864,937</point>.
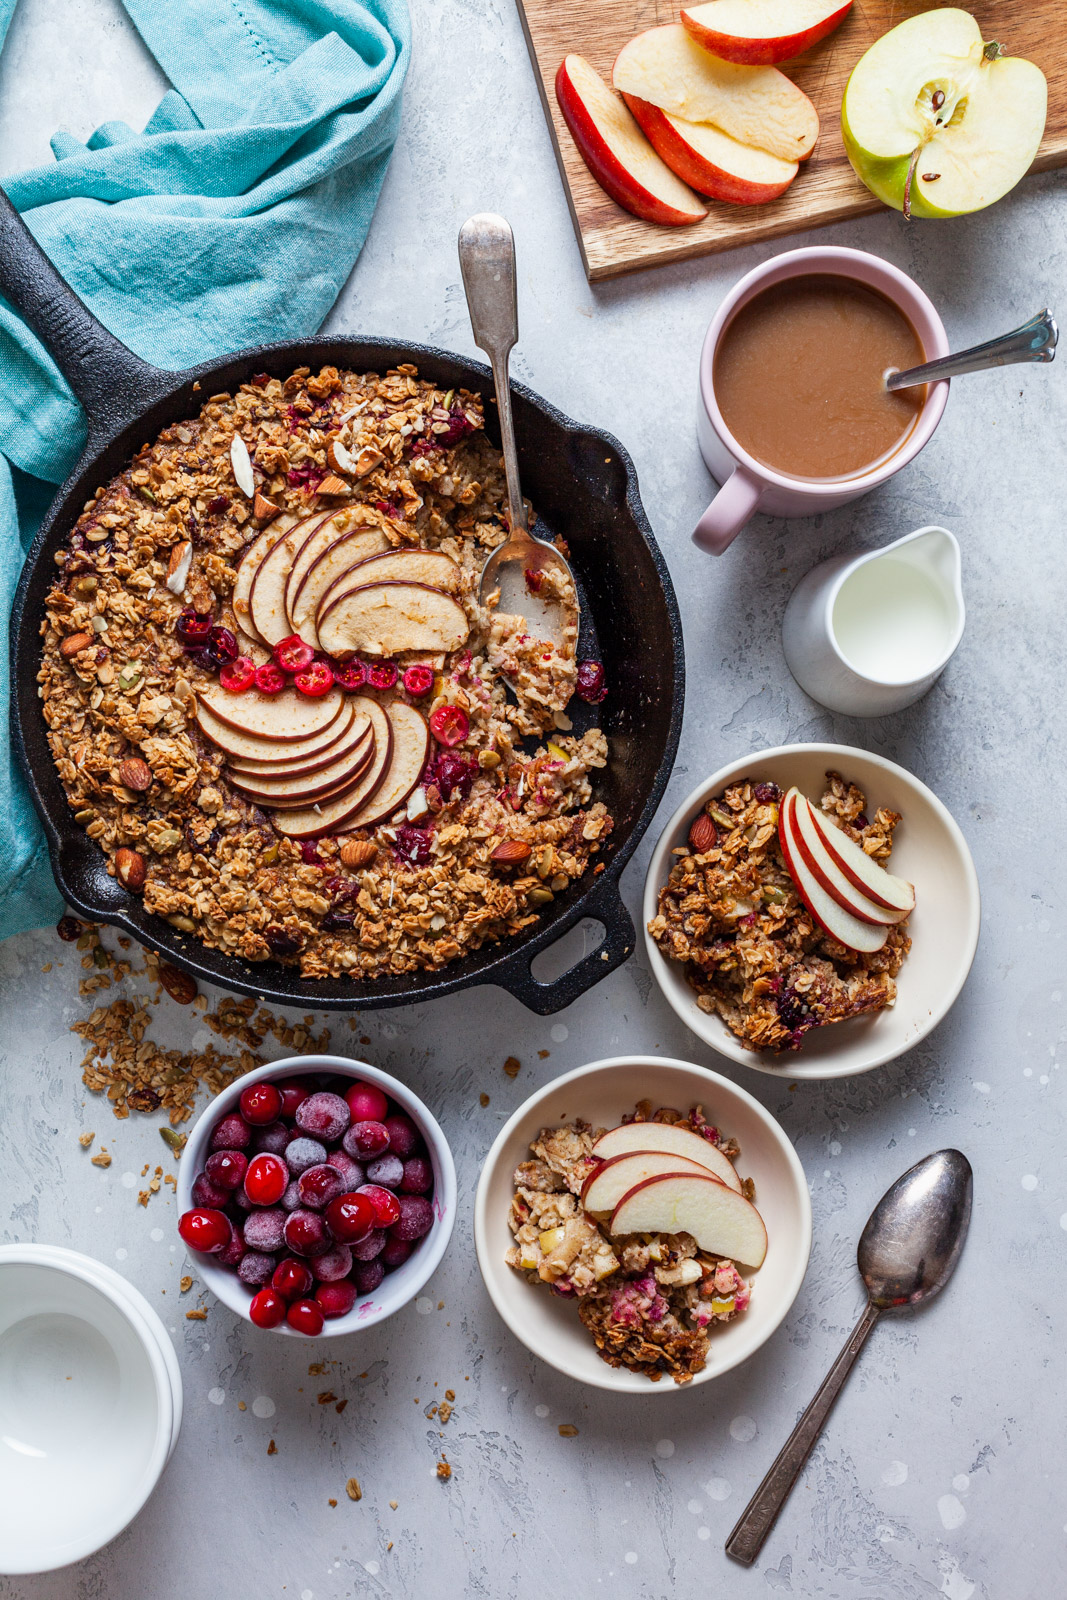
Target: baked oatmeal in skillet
<point>276,703</point>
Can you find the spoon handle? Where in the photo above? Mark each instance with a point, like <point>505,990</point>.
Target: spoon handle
<point>487,262</point>
<point>757,1519</point>
<point>1034,341</point>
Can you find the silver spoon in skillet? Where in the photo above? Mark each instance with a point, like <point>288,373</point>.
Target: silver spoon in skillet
<point>487,261</point>
<point>907,1252</point>
<point>1034,341</point>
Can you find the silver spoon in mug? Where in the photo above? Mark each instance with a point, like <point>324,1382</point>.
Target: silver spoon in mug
<point>1034,341</point>
<point>907,1252</point>
<point>487,261</point>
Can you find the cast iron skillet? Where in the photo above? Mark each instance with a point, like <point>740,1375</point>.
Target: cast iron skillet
<point>582,484</point>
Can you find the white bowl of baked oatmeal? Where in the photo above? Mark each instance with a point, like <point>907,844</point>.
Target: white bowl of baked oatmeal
<point>629,1327</point>
<point>738,955</point>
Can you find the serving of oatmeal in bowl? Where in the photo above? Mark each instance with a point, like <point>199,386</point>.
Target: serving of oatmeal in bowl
<point>811,911</point>
<point>642,1224</point>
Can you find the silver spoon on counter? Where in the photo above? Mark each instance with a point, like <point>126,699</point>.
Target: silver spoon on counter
<point>1034,341</point>
<point>907,1252</point>
<point>487,261</point>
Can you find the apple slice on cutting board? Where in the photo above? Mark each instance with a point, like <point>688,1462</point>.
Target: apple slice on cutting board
<point>603,1189</point>
<point>309,822</point>
<point>866,874</point>
<point>612,146</point>
<point>713,162</point>
<point>410,747</point>
<point>333,560</point>
<point>828,912</point>
<point>936,121</point>
<point>761,32</point>
<point>721,1221</point>
<point>384,619</point>
<point>281,717</point>
<point>809,840</point>
<point>671,1137</point>
<point>757,106</point>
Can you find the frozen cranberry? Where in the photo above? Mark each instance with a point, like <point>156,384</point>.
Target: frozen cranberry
<point>265,1230</point>
<point>367,1275</point>
<point>273,1138</point>
<point>381,675</point>
<point>352,676</point>
<point>333,1264</point>
<point>416,1217</point>
<point>396,1251</point>
<point>403,1135</point>
<point>270,679</point>
<point>239,675</point>
<point>373,1245</point>
<point>212,1195</point>
<point>351,1171</point>
<point>366,1102</point>
<point>292,1094</point>
<point>383,1202</point>
<point>418,681</point>
<point>365,1140</point>
<point>323,1116</point>
<point>193,627</point>
<point>305,1316</point>
<point>226,1168</point>
<point>266,1179</point>
<point>255,1268</point>
<point>241,1200</point>
<point>387,1170</point>
<point>350,1217</point>
<point>292,1278</point>
<point>291,1198</point>
<point>230,1254</point>
<point>315,680</point>
<point>319,1185</point>
<point>418,1176</point>
<point>302,1153</point>
<point>267,1309</point>
<point>232,1133</point>
<point>260,1103</point>
<point>206,1230</point>
<point>335,1299</point>
<point>414,844</point>
<point>221,645</point>
<point>306,1234</point>
<point>451,771</point>
<point>292,654</point>
<point>590,685</point>
<point>449,725</point>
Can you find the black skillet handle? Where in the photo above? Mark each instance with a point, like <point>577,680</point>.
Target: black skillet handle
<point>604,905</point>
<point>112,383</point>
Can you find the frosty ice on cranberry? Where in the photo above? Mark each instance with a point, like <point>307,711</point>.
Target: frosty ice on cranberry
<point>313,1190</point>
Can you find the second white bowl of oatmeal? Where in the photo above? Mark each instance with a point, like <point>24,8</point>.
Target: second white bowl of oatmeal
<point>602,1093</point>
<point>928,850</point>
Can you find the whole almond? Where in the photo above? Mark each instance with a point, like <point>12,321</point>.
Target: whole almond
<point>135,773</point>
<point>73,644</point>
<point>511,853</point>
<point>359,852</point>
<point>339,457</point>
<point>703,835</point>
<point>130,868</point>
<point>178,984</point>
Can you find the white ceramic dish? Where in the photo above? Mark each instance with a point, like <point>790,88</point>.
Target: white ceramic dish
<point>90,1406</point>
<point>396,1288</point>
<point>602,1093</point>
<point>929,850</point>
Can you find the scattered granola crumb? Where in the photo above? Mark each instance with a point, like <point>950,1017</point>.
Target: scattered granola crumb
<point>241,1406</point>
<point>326,1398</point>
<point>483,1099</point>
<point>272,1449</point>
<point>339,1407</point>
<point>185,1284</point>
<point>444,1471</point>
<point>199,1315</point>
<point>101,1159</point>
<point>353,1490</point>
<point>440,1307</point>
<point>450,1394</point>
<point>331,1502</point>
<point>47,967</point>
<point>389,1546</point>
<point>511,1066</point>
<point>567,1430</point>
<point>86,1139</point>
<point>544,1054</point>
<point>393,1504</point>
<point>444,1411</point>
<point>316,1369</point>
<point>143,1197</point>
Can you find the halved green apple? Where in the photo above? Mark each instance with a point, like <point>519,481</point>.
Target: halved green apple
<point>936,121</point>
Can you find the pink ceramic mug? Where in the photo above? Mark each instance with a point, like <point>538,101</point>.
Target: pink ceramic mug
<point>748,485</point>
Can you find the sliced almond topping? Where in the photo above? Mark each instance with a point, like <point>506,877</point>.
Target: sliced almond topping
<point>181,559</point>
<point>334,485</point>
<point>241,462</point>
<point>340,458</point>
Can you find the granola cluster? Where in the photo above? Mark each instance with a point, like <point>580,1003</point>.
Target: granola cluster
<point>752,951</point>
<point>648,1302</point>
<point>118,690</point>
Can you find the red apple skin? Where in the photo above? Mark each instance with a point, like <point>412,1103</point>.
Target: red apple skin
<point>785,840</point>
<point>854,878</point>
<point>762,52</point>
<point>800,844</point>
<point>694,169</point>
<point>608,171</point>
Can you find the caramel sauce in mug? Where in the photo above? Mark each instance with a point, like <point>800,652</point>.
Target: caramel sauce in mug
<point>799,371</point>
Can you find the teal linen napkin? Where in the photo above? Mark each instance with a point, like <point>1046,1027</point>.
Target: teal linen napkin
<point>234,219</point>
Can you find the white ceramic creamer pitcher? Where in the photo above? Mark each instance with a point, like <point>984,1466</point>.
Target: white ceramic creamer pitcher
<point>869,634</point>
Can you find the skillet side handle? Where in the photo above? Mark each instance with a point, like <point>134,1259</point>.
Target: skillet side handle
<point>112,383</point>
<point>617,946</point>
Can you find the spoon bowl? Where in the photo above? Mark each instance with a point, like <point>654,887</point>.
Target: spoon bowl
<point>913,1237</point>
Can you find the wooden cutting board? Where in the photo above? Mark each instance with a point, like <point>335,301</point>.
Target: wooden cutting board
<point>826,189</point>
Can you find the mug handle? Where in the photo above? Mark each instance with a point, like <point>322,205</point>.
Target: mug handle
<point>728,512</point>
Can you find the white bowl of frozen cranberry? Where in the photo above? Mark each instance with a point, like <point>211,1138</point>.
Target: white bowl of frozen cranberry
<point>316,1195</point>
